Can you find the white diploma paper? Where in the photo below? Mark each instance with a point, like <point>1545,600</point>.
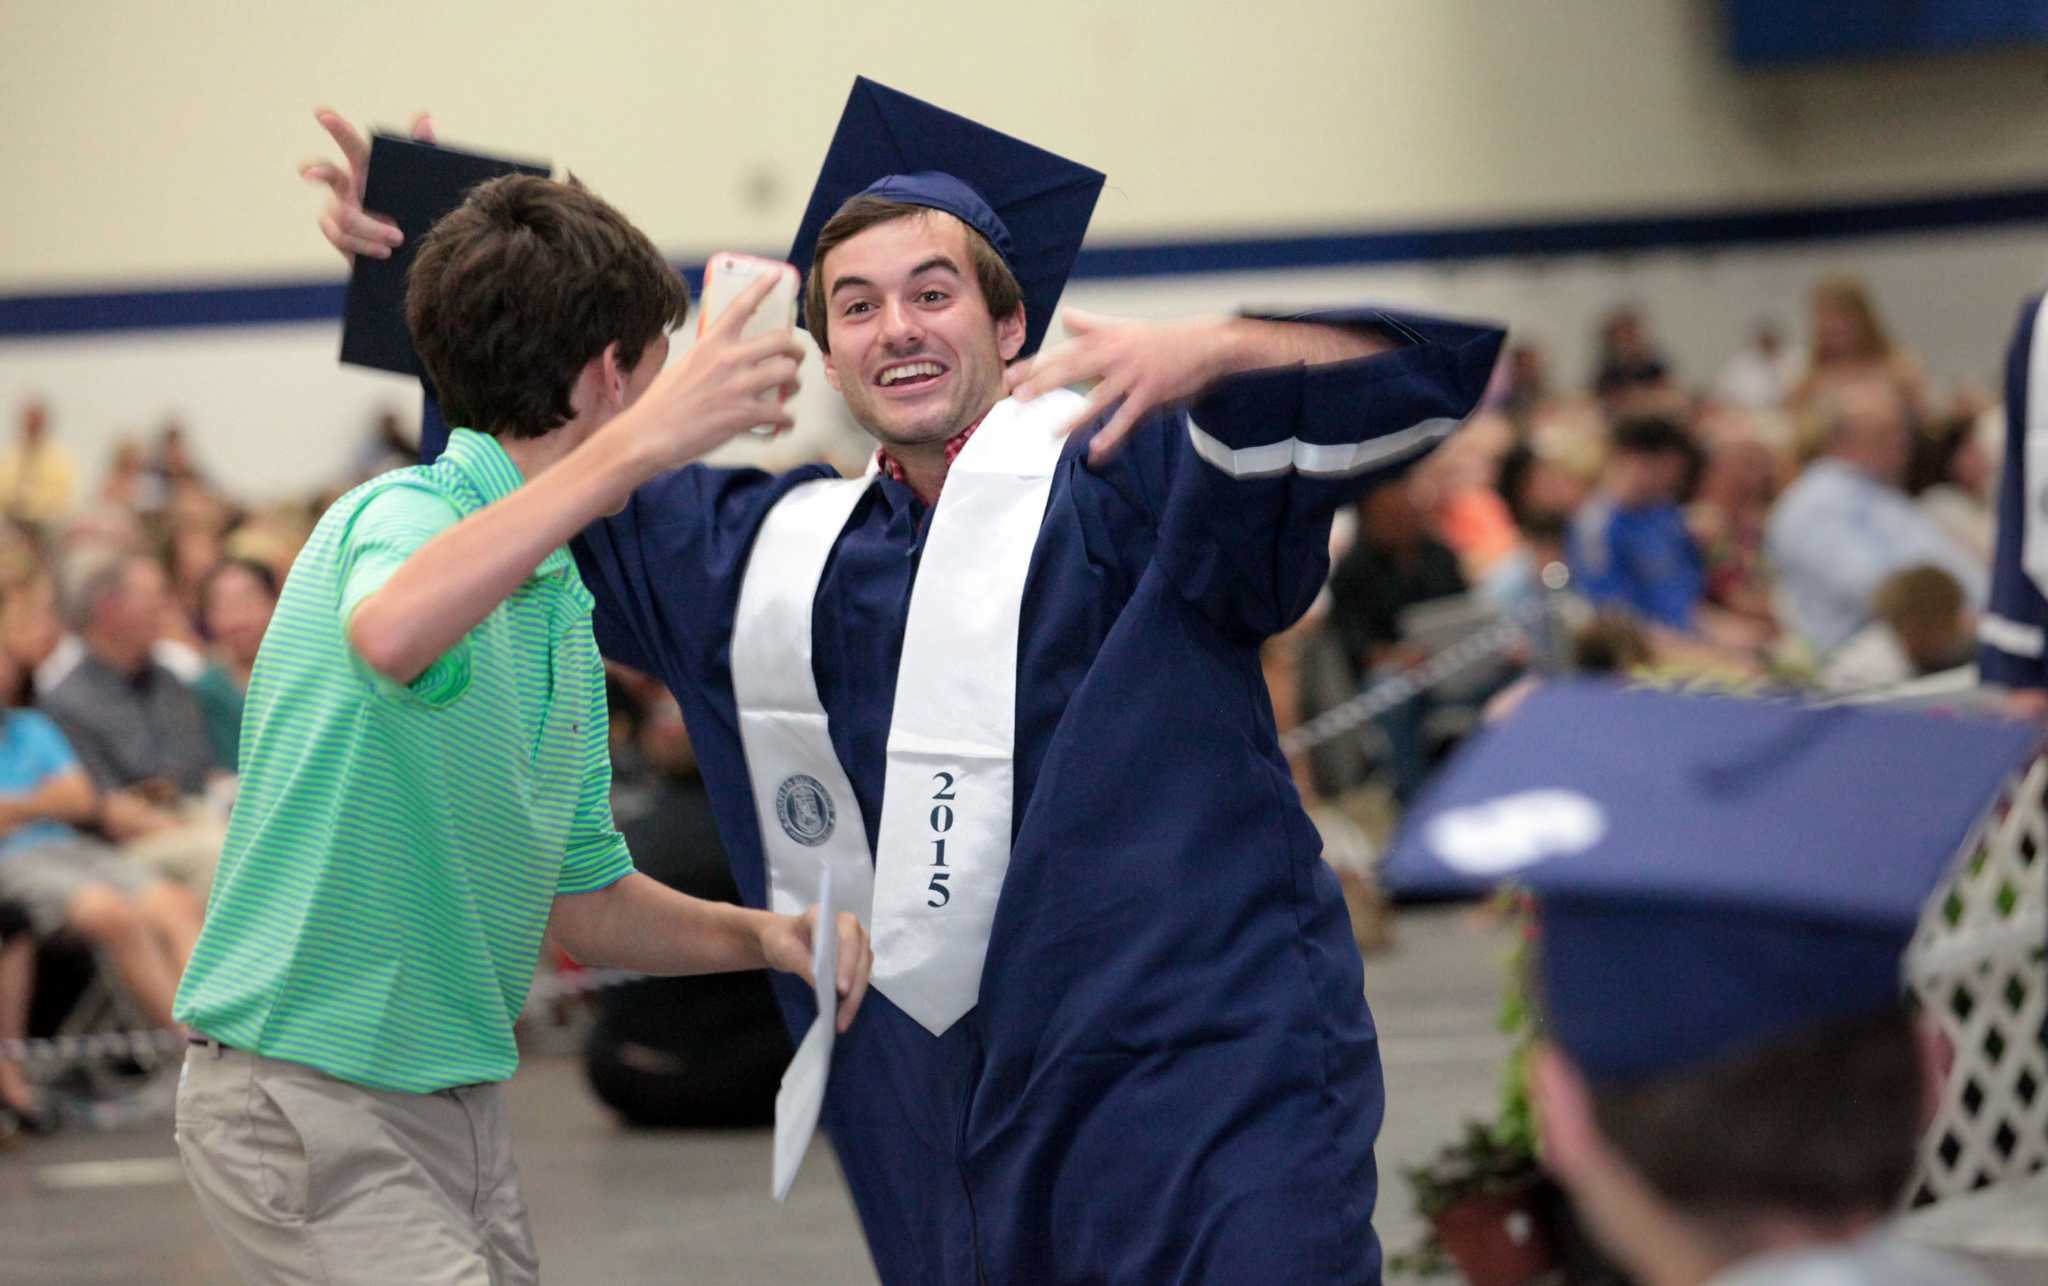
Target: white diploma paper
<point>803,1083</point>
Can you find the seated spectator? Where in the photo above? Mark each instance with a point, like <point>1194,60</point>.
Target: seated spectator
<point>1525,381</point>
<point>1542,495</point>
<point>235,602</point>
<point>1922,625</point>
<point>1762,375</point>
<point>37,475</point>
<point>20,1106</point>
<point>1727,519</point>
<point>1455,488</point>
<point>1629,367</point>
<point>136,727</point>
<point>694,1052</point>
<point>1851,346</point>
<point>1629,545</point>
<point>143,924</point>
<point>1952,480</point>
<point>1845,524</point>
<point>1394,564</point>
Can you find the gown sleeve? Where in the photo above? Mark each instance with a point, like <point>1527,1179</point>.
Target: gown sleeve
<point>1258,466</point>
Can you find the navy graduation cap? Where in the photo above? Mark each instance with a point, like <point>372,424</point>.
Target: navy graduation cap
<point>1032,206</point>
<point>1713,874</point>
<point>413,184</point>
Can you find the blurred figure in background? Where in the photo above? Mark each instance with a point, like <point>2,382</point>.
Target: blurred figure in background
<point>1921,624</point>
<point>37,475</point>
<point>689,1052</point>
<point>20,1106</point>
<point>1851,346</point>
<point>236,600</point>
<point>1455,488</point>
<point>143,923</point>
<point>1394,564</point>
<point>1629,368</point>
<point>1952,479</point>
<point>388,445</point>
<point>1762,374</point>
<point>136,727</point>
<point>1629,546</point>
<point>1845,524</point>
<point>1728,518</point>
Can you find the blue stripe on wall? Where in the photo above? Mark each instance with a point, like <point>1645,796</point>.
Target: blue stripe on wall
<point>24,316</point>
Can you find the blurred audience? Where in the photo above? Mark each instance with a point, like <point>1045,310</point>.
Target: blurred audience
<point>141,922</point>
<point>1629,367</point>
<point>138,729</point>
<point>1762,374</point>
<point>694,1052</point>
<point>236,600</point>
<point>1850,345</point>
<point>1846,523</point>
<point>1953,478</point>
<point>1921,623</point>
<point>37,475</point>
<point>1629,546</point>
<point>1728,516</point>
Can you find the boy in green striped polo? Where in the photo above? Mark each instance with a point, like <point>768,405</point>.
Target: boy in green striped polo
<point>425,778</point>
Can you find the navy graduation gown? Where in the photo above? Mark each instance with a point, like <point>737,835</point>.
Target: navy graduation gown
<point>2012,650</point>
<point>1171,1074</point>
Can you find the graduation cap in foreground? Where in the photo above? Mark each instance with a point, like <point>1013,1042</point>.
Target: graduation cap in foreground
<point>1032,206</point>
<point>1713,875</point>
<point>413,184</point>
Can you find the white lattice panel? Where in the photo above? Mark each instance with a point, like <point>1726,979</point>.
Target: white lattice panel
<point>1979,965</point>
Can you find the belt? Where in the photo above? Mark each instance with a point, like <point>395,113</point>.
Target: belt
<point>208,1042</point>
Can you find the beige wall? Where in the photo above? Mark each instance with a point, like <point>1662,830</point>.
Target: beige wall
<point>155,141</point>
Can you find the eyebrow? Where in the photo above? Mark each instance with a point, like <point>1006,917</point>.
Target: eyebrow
<point>934,264</point>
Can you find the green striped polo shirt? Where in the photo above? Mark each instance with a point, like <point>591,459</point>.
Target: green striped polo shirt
<point>390,865</point>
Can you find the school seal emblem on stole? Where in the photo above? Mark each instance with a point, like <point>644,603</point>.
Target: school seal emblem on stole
<point>804,809</point>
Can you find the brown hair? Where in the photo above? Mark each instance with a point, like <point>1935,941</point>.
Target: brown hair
<point>999,288</point>
<point>1823,1125</point>
<point>1851,296</point>
<point>517,289</point>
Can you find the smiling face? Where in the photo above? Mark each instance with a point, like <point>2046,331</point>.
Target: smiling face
<point>913,348</point>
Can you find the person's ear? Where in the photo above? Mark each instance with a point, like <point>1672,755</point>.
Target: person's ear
<point>831,370</point>
<point>1010,333</point>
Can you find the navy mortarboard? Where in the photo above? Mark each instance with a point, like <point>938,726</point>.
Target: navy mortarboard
<point>1713,874</point>
<point>1029,204</point>
<point>412,184</point>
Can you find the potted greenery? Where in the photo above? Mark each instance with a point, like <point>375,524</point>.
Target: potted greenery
<point>1485,1197</point>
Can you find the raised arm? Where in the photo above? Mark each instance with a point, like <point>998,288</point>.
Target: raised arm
<point>458,577</point>
<point>1267,426</point>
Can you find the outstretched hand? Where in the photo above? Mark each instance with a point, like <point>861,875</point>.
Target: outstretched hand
<point>786,943</point>
<point>348,227</point>
<point>1137,368</point>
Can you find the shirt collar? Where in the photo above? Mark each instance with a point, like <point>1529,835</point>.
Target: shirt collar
<point>481,461</point>
<point>954,445</point>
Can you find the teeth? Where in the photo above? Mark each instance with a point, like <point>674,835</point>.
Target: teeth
<point>895,373</point>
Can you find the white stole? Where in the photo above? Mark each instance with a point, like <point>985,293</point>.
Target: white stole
<point>930,898</point>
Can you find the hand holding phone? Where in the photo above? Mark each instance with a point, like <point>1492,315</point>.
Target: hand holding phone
<point>726,277</point>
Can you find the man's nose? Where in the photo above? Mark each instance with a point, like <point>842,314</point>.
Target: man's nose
<point>900,328</point>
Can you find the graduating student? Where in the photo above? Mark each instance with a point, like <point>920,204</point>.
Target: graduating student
<point>2015,622</point>
<point>1008,686</point>
<point>1728,1083</point>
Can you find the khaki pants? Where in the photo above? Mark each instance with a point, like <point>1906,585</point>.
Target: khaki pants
<point>311,1181</point>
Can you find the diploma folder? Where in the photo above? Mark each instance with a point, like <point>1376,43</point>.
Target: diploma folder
<point>413,184</point>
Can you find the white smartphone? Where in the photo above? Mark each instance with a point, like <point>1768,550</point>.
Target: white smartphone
<point>726,277</point>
